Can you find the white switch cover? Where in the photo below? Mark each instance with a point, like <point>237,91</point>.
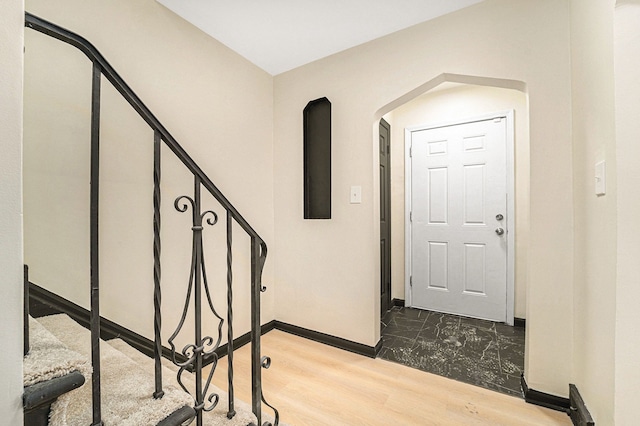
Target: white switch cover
<point>600,178</point>
<point>356,194</point>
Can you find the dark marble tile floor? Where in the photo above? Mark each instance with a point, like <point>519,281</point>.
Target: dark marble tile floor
<point>479,352</point>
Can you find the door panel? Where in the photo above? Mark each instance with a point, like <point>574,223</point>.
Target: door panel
<point>473,197</point>
<point>458,187</point>
<point>438,195</point>
<point>474,272</point>
<point>438,265</point>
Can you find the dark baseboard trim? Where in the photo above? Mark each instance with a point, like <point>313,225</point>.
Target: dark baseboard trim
<point>578,411</point>
<point>520,322</point>
<point>327,339</point>
<point>48,303</point>
<point>398,302</point>
<point>108,329</point>
<point>377,348</point>
<point>271,325</point>
<point>543,399</point>
<point>239,342</point>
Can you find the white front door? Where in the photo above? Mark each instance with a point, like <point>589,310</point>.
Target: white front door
<point>459,219</point>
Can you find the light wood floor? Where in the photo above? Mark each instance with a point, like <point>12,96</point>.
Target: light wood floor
<point>314,384</point>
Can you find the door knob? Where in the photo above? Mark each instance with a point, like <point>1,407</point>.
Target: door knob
<point>499,231</point>
<point>499,217</point>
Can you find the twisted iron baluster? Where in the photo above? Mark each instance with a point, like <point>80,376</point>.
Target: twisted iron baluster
<point>157,298</point>
<point>196,352</point>
<point>232,410</point>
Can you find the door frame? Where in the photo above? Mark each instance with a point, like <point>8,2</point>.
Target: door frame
<point>510,222</point>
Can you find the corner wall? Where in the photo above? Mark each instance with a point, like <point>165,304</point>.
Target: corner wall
<point>327,272</point>
<point>595,237</point>
<point>11,58</point>
<point>627,105</point>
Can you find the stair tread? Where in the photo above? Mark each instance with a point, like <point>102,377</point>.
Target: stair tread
<point>218,416</point>
<point>49,358</point>
<point>80,338</point>
<point>126,388</point>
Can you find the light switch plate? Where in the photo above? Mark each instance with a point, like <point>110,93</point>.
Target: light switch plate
<point>601,174</point>
<point>356,194</point>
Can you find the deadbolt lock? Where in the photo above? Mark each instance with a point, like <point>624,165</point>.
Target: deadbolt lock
<point>499,217</point>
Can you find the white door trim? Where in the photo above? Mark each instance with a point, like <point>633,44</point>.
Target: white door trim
<point>510,222</point>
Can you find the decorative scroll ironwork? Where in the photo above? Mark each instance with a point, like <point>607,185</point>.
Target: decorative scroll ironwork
<point>204,346</point>
<point>265,362</point>
<point>258,259</point>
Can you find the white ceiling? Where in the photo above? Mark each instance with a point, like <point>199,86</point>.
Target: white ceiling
<point>279,35</point>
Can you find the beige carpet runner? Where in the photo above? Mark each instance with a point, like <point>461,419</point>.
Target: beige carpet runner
<point>127,381</point>
<point>49,358</point>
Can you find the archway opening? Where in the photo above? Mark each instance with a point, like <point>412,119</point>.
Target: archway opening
<point>445,99</point>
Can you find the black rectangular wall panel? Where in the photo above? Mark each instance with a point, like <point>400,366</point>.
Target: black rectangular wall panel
<point>317,159</point>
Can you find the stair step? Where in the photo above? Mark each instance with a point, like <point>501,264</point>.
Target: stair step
<point>50,370</point>
<point>217,417</point>
<point>49,358</point>
<point>127,389</point>
<point>78,339</point>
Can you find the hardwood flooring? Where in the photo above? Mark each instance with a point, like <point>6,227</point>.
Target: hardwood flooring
<point>314,384</point>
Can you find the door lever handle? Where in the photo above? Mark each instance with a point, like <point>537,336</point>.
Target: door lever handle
<point>499,231</point>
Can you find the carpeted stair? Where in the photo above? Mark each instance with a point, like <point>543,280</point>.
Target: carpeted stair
<point>50,370</point>
<point>127,380</point>
<point>218,416</point>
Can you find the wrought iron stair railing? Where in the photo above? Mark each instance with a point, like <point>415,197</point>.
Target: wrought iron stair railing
<point>203,345</point>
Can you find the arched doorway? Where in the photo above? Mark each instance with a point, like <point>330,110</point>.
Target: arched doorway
<point>446,99</point>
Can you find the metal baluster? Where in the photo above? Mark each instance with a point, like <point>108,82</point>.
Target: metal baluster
<point>265,361</point>
<point>256,372</point>
<point>197,235</point>
<point>26,309</point>
<point>94,208</point>
<point>157,296</point>
<point>232,411</point>
<point>195,353</point>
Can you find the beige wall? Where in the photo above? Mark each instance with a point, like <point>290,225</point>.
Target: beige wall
<point>594,140</point>
<point>216,104</point>
<point>627,104</point>
<point>324,273</point>
<point>327,271</point>
<point>448,105</point>
<point>11,43</point>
